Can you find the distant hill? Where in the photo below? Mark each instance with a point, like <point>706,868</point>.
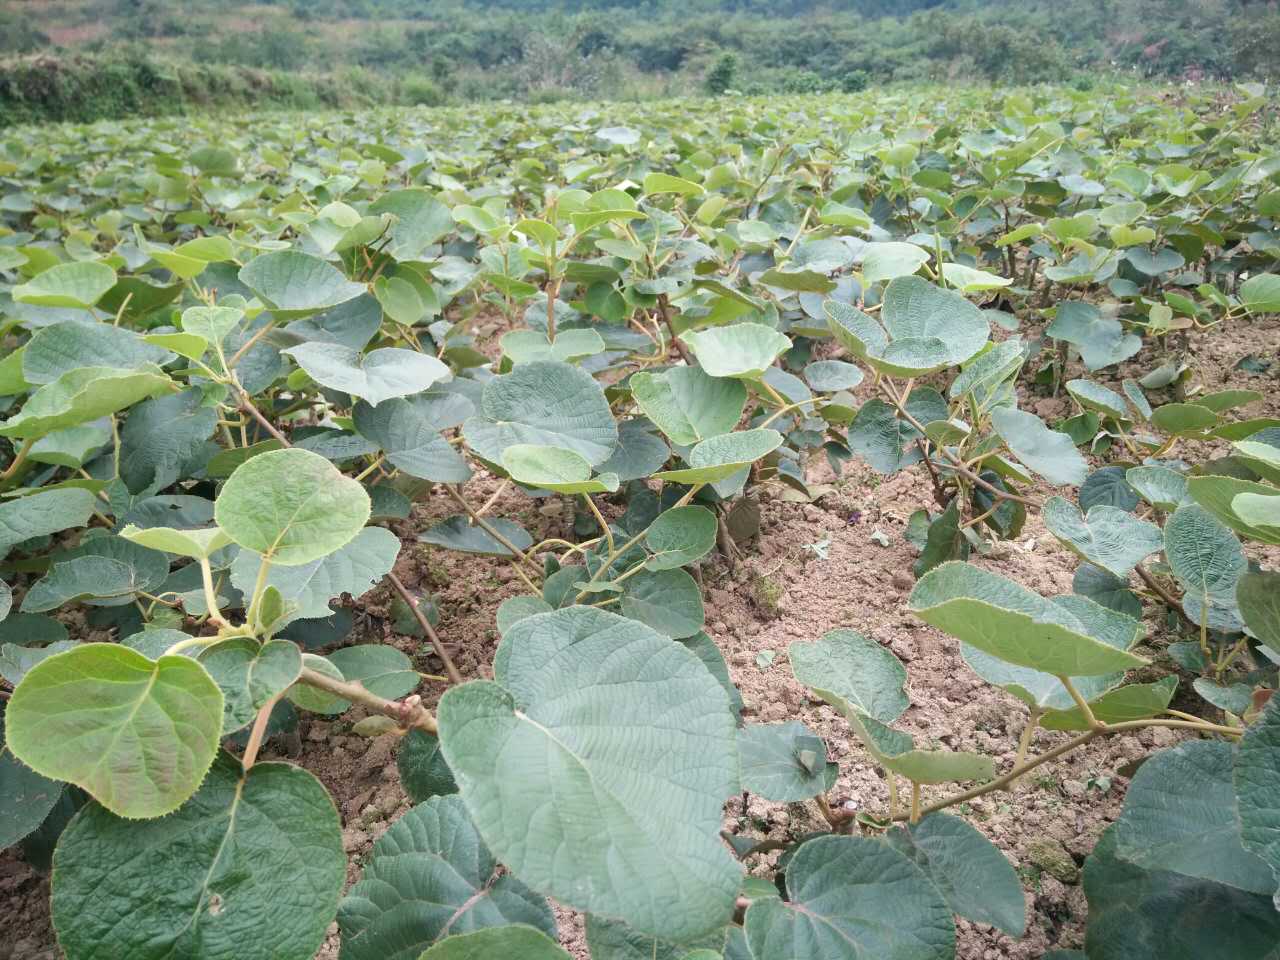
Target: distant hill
<point>456,50</point>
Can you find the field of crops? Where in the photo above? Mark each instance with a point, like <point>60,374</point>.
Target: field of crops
<point>825,527</point>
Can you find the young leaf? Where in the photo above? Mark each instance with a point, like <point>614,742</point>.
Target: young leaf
<point>251,868</point>
<point>784,762</point>
<point>291,506</point>
<point>741,350</point>
<point>646,742</point>
<point>680,536</point>
<point>719,458</point>
<point>137,734</point>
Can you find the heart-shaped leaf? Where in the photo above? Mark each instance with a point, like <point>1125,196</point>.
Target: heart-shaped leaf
<point>295,284</point>
<point>1107,537</point>
<point>375,376</point>
<point>687,404</point>
<point>718,458</point>
<point>71,285</point>
<point>741,350</point>
<point>853,674</point>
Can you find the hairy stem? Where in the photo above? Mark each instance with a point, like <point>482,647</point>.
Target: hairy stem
<point>449,667</point>
<point>489,528</point>
<point>258,732</point>
<point>410,714</point>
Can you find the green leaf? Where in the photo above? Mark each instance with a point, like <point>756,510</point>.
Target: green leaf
<point>645,741</point>
<point>1180,815</point>
<point>610,940</point>
<point>1094,396</point>
<point>71,285</point>
<point>420,221</point>
<point>828,376</point>
<point>921,329</point>
<point>137,735</point>
<point>291,506</point>
<point>82,395</point>
<point>1262,458</point>
<point>680,536</point>
<point>429,878</point>
<point>250,674</point>
<point>458,533</point>
<point>1134,912</point>
<point>884,261</point>
<point>81,578</point>
<point>1136,701</point>
<point>379,668</point>
<point>25,797</point>
<point>251,869</point>
<point>1051,454</point>
<point>669,601</point>
<point>545,403</point>
<point>854,898</point>
<point>1107,537</point>
<point>1256,781</point>
<point>313,699</point>
<point>423,771</point>
<point>1218,496</point>
<point>1101,339</point>
<point>295,284</point>
<point>497,943</point>
<point>1208,561</point>
<point>1258,294</point>
<point>553,468</point>
<point>211,323</point>
<point>1258,510</point>
<point>967,868</point>
<point>1005,620</point>
<point>62,347</point>
<point>375,376</point>
<point>853,674</point>
<point>940,766</point>
<point>1161,487</point>
<point>640,451</point>
<point>41,514</point>
<point>1258,596</point>
<point>523,346</point>
<point>665,183</point>
<point>741,350</point>
<point>1182,419</point>
<point>162,437</point>
<point>198,544</point>
<point>408,431</point>
<point>968,280</point>
<point>784,762</point>
<point>688,405</point>
<point>718,458</point>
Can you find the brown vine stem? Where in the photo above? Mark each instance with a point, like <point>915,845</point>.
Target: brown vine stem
<point>999,783</point>
<point>19,458</point>
<point>449,667</point>
<point>258,732</point>
<point>956,463</point>
<point>664,311</point>
<point>409,713</point>
<point>1169,600</point>
<point>488,528</point>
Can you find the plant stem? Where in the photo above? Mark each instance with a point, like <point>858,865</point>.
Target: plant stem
<point>259,587</point>
<point>893,793</point>
<point>1024,741</point>
<point>246,406</point>
<point>488,527</point>
<point>258,732</point>
<point>449,668</point>
<point>1165,596</point>
<point>211,595</point>
<point>410,713</point>
<point>369,469</point>
<point>19,458</point>
<point>1081,703</point>
<point>664,311</point>
<point>604,524</point>
<point>915,801</point>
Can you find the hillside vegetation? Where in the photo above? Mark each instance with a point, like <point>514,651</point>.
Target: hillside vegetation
<point>428,51</point>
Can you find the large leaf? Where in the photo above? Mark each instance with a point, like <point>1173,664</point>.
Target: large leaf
<point>431,877</point>
<point>374,376</point>
<point>291,506</point>
<point>1134,912</point>
<point>82,395</point>
<point>1107,537</point>
<point>719,458</point>
<point>498,943</point>
<point>421,221</point>
<point>853,674</point>
<point>741,350</point>
<point>687,404</point>
<point>1218,495</point>
<point>63,347</point>
<point>44,513</point>
<point>1101,340</point>
<point>921,329</point>
<point>784,762</point>
<point>556,469</point>
<point>295,284</point>
<point>1000,618</point>
<point>1180,815</point>
<point>680,536</point>
<point>853,898</point>
<point>603,714</point>
<point>249,869</point>
<point>408,431</point>
<point>546,403</point>
<point>1256,781</point>
<point>668,600</point>
<point>71,285</point>
<point>137,734</point>
<point>970,871</point>
<point>1208,561</point>
<point>1049,453</point>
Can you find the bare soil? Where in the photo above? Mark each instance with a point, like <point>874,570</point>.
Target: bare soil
<point>786,591</point>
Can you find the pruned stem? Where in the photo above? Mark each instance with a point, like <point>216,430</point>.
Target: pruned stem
<point>488,528</point>
<point>449,668</point>
<point>410,714</point>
